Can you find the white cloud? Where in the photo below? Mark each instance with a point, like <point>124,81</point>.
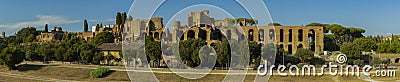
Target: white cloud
<point>3,26</point>
<point>44,19</point>
<point>103,20</point>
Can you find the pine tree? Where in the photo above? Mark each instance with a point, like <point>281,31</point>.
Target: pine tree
<point>46,28</point>
<point>86,27</point>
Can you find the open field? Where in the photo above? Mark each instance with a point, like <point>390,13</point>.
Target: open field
<point>68,73</point>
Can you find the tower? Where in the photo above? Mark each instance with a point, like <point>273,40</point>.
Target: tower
<point>3,34</point>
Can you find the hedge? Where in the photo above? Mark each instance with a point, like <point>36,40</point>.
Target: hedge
<point>99,72</point>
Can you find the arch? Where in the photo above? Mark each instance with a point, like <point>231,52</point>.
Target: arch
<point>290,48</point>
<point>168,62</point>
<point>300,35</point>
<point>250,35</point>
<point>271,34</point>
<point>281,35</point>
<point>202,34</point>
<point>397,60</point>
<point>290,35</point>
<point>311,39</point>
<point>261,34</point>
<point>156,35</point>
<point>229,34</point>
<point>190,34</point>
<point>281,46</point>
<point>300,46</point>
<point>151,25</point>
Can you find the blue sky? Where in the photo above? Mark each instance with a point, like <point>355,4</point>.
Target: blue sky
<point>378,17</point>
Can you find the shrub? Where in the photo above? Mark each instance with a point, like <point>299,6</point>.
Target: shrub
<point>99,72</point>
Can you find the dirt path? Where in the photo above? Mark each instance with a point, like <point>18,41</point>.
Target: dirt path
<point>32,77</point>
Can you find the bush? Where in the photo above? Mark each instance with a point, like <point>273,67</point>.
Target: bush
<point>99,72</point>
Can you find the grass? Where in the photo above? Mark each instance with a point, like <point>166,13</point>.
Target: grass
<point>79,74</point>
<point>386,55</point>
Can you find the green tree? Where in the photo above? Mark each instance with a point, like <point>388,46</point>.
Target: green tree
<point>11,56</point>
<point>109,58</point>
<point>30,38</point>
<point>366,44</point>
<point>118,18</point>
<point>103,37</point>
<point>255,53</point>
<point>274,24</point>
<point>58,54</point>
<point>85,26</point>
<point>351,50</point>
<point>98,57</point>
<point>189,51</point>
<point>86,52</point>
<point>246,21</point>
<point>46,28</point>
<point>223,52</point>
<point>304,54</point>
<point>153,49</point>
<point>97,27</point>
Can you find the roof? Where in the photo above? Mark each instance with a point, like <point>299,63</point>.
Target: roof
<point>110,47</point>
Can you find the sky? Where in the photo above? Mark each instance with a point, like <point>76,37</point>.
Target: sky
<point>377,17</point>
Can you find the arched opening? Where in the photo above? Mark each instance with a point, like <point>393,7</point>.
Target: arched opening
<point>271,34</point>
<point>190,34</point>
<point>300,46</point>
<point>281,35</point>
<point>151,26</point>
<point>311,39</point>
<point>251,35</point>
<point>281,46</point>
<point>168,63</point>
<point>229,34</point>
<point>290,35</point>
<point>156,36</point>
<point>397,60</point>
<point>300,35</point>
<point>290,48</point>
<point>261,34</point>
<point>202,34</point>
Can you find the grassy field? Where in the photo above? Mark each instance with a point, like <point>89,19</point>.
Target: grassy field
<point>79,74</point>
<point>385,55</point>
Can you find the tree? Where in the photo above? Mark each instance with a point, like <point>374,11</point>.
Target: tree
<point>85,26</point>
<point>330,43</point>
<point>351,50</point>
<point>246,21</point>
<point>97,27</point>
<point>103,37</point>
<point>58,54</point>
<point>11,56</point>
<point>274,24</point>
<point>189,51</point>
<point>223,52</point>
<point>366,44</point>
<point>30,38</point>
<point>118,19</point>
<point>304,54</point>
<point>98,57</point>
<point>153,49</point>
<point>46,28</point>
<point>86,52</point>
<point>255,54</point>
<point>109,58</point>
<point>123,17</point>
<point>26,34</point>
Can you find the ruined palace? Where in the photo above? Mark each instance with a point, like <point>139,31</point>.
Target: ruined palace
<point>201,26</point>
